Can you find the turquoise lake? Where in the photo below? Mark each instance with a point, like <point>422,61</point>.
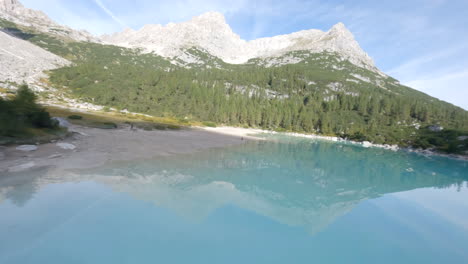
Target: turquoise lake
<point>286,201</point>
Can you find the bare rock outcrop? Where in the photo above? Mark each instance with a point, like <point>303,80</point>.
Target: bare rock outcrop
<point>21,61</point>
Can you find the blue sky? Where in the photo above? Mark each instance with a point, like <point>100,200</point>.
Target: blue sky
<point>423,43</point>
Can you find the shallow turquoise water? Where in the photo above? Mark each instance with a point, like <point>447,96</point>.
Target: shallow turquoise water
<point>292,201</point>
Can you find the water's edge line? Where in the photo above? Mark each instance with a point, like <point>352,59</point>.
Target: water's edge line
<point>253,133</point>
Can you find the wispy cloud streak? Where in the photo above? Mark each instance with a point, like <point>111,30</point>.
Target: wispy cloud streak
<point>110,13</point>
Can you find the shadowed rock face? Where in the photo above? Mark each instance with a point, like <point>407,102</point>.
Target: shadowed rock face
<point>299,184</point>
<point>14,11</point>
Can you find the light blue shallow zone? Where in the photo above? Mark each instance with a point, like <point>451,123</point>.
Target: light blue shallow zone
<point>290,201</point>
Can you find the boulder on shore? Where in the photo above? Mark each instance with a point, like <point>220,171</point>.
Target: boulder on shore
<point>27,148</point>
<point>66,146</point>
<point>22,167</point>
<point>436,128</point>
<point>62,122</point>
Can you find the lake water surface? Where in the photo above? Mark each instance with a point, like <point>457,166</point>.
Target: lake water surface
<point>289,201</point>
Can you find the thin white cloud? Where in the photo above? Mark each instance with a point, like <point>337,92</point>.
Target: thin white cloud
<point>415,65</point>
<point>451,87</point>
<point>441,74</point>
<point>110,13</point>
<point>81,15</point>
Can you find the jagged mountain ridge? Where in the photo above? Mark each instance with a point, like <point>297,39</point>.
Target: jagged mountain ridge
<point>208,32</point>
<point>14,11</point>
<point>211,33</point>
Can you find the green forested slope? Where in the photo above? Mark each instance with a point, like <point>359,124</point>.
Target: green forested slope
<point>320,94</point>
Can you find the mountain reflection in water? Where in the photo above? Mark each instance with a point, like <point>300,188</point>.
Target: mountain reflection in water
<point>295,182</point>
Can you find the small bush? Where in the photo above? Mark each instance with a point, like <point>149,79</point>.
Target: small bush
<point>160,127</point>
<point>75,117</point>
<point>41,119</point>
<point>209,124</point>
<point>174,127</point>
<point>109,125</point>
<point>280,130</point>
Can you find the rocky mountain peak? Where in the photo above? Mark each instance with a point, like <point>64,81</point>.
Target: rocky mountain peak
<point>341,31</point>
<point>339,27</point>
<point>10,5</point>
<point>210,17</point>
<point>211,33</point>
<point>340,39</point>
<point>208,32</point>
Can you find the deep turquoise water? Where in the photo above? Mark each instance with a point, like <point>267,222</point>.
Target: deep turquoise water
<point>292,201</point>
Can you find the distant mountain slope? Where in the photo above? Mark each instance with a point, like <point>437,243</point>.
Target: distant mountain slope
<point>22,61</point>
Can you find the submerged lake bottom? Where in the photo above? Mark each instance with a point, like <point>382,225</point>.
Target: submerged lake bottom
<point>289,200</point>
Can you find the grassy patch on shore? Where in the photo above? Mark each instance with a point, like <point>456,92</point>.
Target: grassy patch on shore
<point>34,136</point>
<point>109,120</point>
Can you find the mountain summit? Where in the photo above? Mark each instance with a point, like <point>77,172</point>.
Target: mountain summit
<point>208,32</point>
<point>9,5</point>
<point>211,33</point>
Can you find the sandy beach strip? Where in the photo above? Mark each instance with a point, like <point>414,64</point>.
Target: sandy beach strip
<point>93,147</point>
<point>247,133</point>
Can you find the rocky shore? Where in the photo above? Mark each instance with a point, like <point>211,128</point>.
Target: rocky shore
<point>92,147</point>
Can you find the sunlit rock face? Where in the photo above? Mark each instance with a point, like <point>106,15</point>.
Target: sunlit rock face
<point>208,32</point>
<point>24,62</point>
<point>211,33</point>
